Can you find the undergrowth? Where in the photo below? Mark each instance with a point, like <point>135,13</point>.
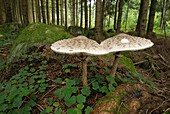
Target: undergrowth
<point>20,93</point>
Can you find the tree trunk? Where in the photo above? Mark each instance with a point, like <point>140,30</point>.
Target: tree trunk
<point>66,14</point>
<point>119,16</point>
<point>48,11</point>
<point>38,15</point>
<point>13,10</point>
<point>1,9</point>
<point>98,21</point>
<point>53,11</point>
<point>163,14</point>
<point>8,13</point>
<point>25,12</point>
<point>43,10</point>
<point>81,18</point>
<point>90,14</point>
<point>33,10</point>
<point>30,14</point>
<point>77,17</point>
<point>57,8</point>
<point>151,17</point>
<point>142,18</point>
<point>2,12</point>
<point>103,15</point>
<point>61,12</point>
<point>127,13</point>
<point>18,11</point>
<point>21,12</point>
<point>72,9</point>
<point>115,16</point>
<point>86,14</point>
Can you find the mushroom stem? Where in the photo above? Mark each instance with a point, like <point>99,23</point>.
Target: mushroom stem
<point>115,64</point>
<point>84,74</point>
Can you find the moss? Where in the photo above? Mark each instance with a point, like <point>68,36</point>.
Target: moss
<point>34,35</point>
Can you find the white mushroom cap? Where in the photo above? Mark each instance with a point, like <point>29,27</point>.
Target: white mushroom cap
<point>124,42</point>
<point>80,44</point>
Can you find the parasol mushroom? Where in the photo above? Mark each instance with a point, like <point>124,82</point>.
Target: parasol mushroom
<point>124,42</point>
<point>80,45</point>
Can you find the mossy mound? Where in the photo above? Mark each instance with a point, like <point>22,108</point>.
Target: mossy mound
<point>34,35</point>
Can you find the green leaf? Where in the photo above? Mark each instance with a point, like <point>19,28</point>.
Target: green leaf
<point>78,111</point>
<point>88,110</point>
<point>3,107</point>
<point>50,101</point>
<point>17,102</point>
<point>81,99</point>
<point>56,104</point>
<point>93,68</point>
<point>77,80</point>
<point>32,80</point>
<point>58,80</point>
<point>111,88</point>
<point>86,91</point>
<point>70,101</point>
<point>69,82</point>
<point>32,70</point>
<point>104,89</point>
<point>67,71</point>
<point>80,106</point>
<point>26,68</point>
<point>48,109</point>
<point>73,65</point>
<point>110,79</point>
<point>65,65</point>
<point>59,93</point>
<point>95,85</point>
<point>58,111</point>
<point>71,111</point>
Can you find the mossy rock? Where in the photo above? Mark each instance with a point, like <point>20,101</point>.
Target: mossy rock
<point>34,35</point>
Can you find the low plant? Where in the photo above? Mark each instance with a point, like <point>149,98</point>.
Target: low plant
<point>18,93</point>
<point>73,96</point>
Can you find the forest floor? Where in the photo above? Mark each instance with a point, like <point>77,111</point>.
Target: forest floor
<point>153,64</point>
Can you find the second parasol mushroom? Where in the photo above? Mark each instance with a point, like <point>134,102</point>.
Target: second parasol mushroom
<point>80,45</point>
<point>124,42</point>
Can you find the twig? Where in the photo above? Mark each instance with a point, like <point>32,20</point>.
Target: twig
<point>165,64</point>
<point>158,107</point>
<point>39,107</point>
<point>140,62</point>
<point>162,57</point>
<point>48,92</point>
<point>119,107</point>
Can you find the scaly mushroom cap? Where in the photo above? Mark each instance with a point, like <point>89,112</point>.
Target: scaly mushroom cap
<point>77,45</point>
<point>125,42</point>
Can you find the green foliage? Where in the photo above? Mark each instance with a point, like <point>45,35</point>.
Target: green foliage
<point>2,64</point>
<point>103,85</point>
<point>36,34</point>
<point>74,97</point>
<point>15,92</point>
<point>67,67</point>
<point>9,30</point>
